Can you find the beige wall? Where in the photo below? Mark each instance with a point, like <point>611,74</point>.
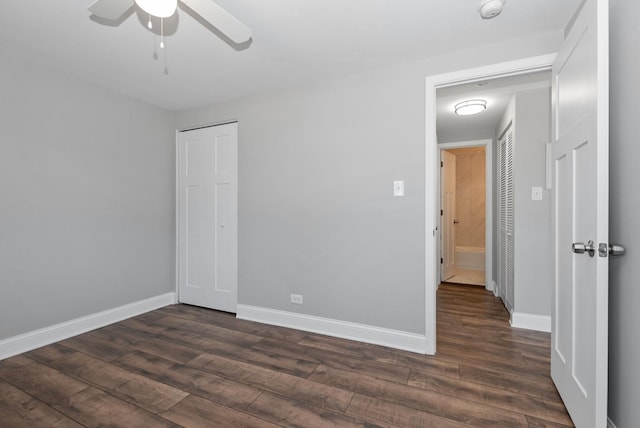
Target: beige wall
<point>470,196</point>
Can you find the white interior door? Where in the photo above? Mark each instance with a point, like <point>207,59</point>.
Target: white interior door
<point>448,214</point>
<point>580,215</point>
<point>207,217</point>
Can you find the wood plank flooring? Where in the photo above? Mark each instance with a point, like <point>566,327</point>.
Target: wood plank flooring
<point>193,367</point>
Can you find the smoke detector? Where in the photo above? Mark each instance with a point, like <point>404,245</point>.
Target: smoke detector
<point>491,8</point>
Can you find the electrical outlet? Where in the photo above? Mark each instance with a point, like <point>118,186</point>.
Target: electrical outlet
<point>296,298</point>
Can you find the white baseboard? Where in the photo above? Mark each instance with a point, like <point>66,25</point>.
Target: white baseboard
<point>45,336</point>
<point>347,330</point>
<point>531,321</point>
<point>610,423</point>
<point>491,287</point>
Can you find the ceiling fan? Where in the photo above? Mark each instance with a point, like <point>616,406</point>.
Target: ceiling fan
<point>210,12</point>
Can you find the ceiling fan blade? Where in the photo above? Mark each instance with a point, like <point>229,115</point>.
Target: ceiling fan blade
<point>110,9</point>
<point>221,19</point>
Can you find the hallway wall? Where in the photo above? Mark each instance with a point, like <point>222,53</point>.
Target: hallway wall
<point>530,293</point>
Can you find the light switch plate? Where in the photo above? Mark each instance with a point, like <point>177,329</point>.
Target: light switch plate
<point>398,188</point>
<point>536,193</point>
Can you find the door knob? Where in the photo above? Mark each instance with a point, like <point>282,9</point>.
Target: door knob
<point>605,250</point>
<point>616,250</point>
<point>581,248</point>
<point>456,221</point>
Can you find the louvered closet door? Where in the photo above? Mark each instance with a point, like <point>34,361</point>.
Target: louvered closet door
<point>509,262</point>
<point>502,235</point>
<point>506,217</point>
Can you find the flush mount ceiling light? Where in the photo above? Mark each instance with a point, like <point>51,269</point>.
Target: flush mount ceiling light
<point>468,107</point>
<point>159,8</point>
<point>491,8</point>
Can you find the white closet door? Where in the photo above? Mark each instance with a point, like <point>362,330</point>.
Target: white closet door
<point>506,218</point>
<point>208,217</point>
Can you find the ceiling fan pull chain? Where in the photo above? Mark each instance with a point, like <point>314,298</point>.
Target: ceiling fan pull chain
<point>149,24</point>
<point>164,51</point>
<point>161,33</point>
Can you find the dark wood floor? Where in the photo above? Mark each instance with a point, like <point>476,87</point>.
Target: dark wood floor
<point>186,366</point>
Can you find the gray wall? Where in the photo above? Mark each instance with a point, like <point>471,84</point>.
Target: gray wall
<point>533,271</point>
<point>530,114</point>
<point>624,294</point>
<point>316,211</point>
<point>87,198</point>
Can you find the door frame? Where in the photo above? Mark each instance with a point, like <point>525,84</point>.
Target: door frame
<point>488,185</point>
<point>432,167</point>
<point>447,230</point>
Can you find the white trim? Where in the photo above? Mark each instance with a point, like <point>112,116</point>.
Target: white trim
<point>531,321</point>
<point>493,288</point>
<point>176,197</point>
<point>432,170</point>
<point>548,147</point>
<point>35,339</point>
<point>347,330</point>
<point>610,423</point>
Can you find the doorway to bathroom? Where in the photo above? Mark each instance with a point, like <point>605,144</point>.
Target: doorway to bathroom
<point>465,173</point>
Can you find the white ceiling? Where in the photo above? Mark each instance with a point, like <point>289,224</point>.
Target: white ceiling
<point>295,42</point>
<point>497,93</point>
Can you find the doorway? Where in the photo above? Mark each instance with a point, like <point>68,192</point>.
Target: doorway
<point>433,145</point>
<point>464,220</point>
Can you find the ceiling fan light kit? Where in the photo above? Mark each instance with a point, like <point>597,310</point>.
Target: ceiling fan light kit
<point>491,8</point>
<point>159,8</point>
